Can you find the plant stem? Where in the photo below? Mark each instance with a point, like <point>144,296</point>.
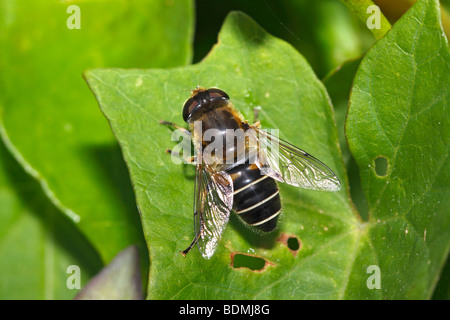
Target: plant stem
<point>359,7</point>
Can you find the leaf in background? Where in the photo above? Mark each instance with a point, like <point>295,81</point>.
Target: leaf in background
<point>49,119</point>
<point>255,69</point>
<point>393,10</point>
<point>327,33</point>
<point>37,243</point>
<point>339,83</point>
<point>119,280</point>
<point>324,32</point>
<point>399,111</point>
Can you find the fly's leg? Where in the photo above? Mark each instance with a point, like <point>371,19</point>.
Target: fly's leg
<point>174,125</point>
<point>256,122</point>
<point>187,133</point>
<point>188,160</point>
<point>186,251</point>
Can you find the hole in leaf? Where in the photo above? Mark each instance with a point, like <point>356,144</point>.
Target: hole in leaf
<point>241,260</point>
<point>291,242</point>
<point>381,166</point>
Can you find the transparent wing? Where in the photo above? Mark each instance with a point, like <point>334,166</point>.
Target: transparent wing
<point>286,163</point>
<point>212,206</point>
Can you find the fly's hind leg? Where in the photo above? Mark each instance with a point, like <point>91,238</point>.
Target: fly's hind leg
<point>186,251</point>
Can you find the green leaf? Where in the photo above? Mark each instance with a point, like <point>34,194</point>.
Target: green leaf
<point>37,243</point>
<point>399,111</point>
<point>338,255</point>
<point>119,280</point>
<point>49,119</point>
<point>255,69</point>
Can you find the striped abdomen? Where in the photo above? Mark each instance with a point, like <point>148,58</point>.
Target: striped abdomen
<point>256,198</point>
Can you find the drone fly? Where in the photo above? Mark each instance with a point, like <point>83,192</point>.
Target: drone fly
<point>241,172</point>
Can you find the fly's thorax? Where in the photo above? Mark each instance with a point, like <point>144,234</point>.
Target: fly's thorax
<point>222,137</point>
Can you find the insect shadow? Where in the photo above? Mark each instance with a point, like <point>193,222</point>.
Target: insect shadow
<point>254,237</point>
<point>188,171</point>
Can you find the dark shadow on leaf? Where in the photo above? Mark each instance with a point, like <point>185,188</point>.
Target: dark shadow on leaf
<point>57,225</point>
<point>442,290</point>
<point>188,172</point>
<point>108,160</point>
<point>356,191</point>
<point>254,237</point>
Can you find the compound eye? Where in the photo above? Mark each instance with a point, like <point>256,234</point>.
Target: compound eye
<point>217,93</point>
<point>189,106</point>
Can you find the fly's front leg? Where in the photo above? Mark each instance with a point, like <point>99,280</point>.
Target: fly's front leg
<point>174,125</point>
<point>187,134</point>
<point>256,122</point>
<point>188,160</point>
